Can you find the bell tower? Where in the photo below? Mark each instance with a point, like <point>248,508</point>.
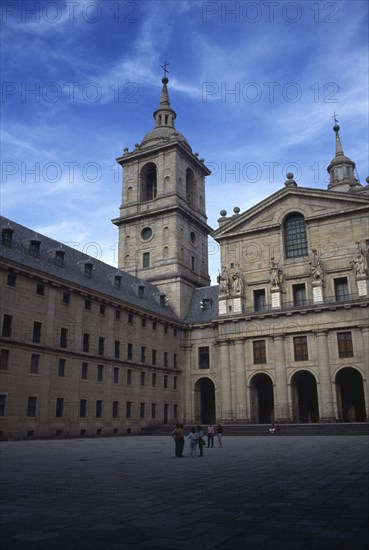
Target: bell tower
<point>163,231</point>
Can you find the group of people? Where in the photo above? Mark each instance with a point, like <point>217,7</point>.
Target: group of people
<point>197,439</point>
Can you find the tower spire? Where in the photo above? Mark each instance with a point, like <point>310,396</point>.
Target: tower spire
<point>341,169</point>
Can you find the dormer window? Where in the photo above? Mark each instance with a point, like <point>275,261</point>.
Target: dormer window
<point>87,271</point>
<point>7,236</point>
<point>117,281</point>
<point>34,248</point>
<point>59,258</point>
<point>141,291</point>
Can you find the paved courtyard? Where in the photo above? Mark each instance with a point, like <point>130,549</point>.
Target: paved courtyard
<point>132,493</point>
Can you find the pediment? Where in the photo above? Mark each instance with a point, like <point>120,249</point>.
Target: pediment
<point>312,203</point>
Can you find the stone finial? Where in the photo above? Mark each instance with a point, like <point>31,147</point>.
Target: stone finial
<point>236,210</point>
<point>223,213</point>
<point>290,182</point>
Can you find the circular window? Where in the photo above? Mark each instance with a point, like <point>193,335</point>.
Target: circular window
<point>193,237</point>
<point>146,233</point>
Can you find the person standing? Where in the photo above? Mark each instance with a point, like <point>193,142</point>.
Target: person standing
<point>219,434</point>
<point>178,436</point>
<point>200,439</point>
<point>192,436</point>
<point>210,436</point>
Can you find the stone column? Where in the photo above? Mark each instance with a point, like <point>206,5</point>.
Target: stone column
<point>365,340</point>
<point>281,404</point>
<point>225,400</point>
<point>327,407</point>
<point>240,397</point>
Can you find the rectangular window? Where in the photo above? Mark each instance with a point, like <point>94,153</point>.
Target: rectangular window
<point>117,313</point>
<point>2,404</point>
<point>115,409</point>
<point>35,361</point>
<point>130,352</point>
<point>300,348</point>
<point>175,411</point>
<point>259,300</point>
<point>59,258</point>
<point>34,247</point>
<point>129,377</point>
<point>101,345</point>
<point>165,329</point>
<point>174,332</point>
<point>66,298</point>
<point>7,236</point>
<point>165,381</point>
<point>142,410</point>
<point>40,289</point>
<point>4,359</point>
<point>61,368</point>
<point>59,409</point>
<point>143,378</point>
<point>100,373</point>
<point>88,304</point>
<point>154,325</point>
<point>299,295</point>
<point>146,259</point>
<point>259,352</point>
<point>143,322</point>
<point>7,325</point>
<point>63,337</point>
<point>143,354</point>
<point>11,279</point>
<point>153,357</point>
<point>31,407</point>
<point>341,289</point>
<point>204,358</point>
<point>116,375</point>
<point>153,380</point>
<point>86,342</point>
<point>117,349</point>
<point>129,409</point>
<point>165,359</point>
<point>141,291</point>
<point>83,408</point>
<point>175,383</point>
<point>84,371</point>
<point>117,281</point>
<point>193,263</point>
<point>153,410</point>
<point>130,318</point>
<point>98,408</point>
<point>36,337</point>
<point>345,348</point>
<point>175,361</point>
<point>102,309</point>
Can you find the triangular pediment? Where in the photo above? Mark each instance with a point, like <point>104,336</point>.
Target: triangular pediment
<point>312,203</point>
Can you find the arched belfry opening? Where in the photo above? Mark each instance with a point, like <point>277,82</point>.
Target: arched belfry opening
<point>350,395</point>
<point>261,399</point>
<point>305,408</point>
<point>190,187</point>
<point>148,183</point>
<point>204,401</point>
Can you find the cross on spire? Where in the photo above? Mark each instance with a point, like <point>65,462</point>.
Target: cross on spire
<point>334,117</point>
<point>164,67</point>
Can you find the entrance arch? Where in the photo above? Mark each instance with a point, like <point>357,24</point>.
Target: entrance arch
<point>205,401</point>
<point>350,395</point>
<point>305,408</point>
<point>262,399</point>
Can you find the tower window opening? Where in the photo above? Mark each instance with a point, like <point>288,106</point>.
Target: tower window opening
<point>148,182</point>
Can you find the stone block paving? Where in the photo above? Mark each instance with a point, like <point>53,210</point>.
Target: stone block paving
<point>131,493</point>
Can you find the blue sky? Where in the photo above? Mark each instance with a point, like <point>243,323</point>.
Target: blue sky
<point>254,85</point>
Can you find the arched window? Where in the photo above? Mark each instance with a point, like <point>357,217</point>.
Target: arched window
<point>295,239</point>
<point>148,182</point>
<point>190,186</point>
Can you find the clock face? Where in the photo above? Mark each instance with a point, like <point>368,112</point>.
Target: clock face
<point>146,233</point>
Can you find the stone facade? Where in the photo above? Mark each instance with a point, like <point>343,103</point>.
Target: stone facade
<point>87,349</point>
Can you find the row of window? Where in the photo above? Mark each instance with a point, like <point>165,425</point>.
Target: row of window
<point>85,410</point>
<point>300,348</point>
<point>66,296</point>
<point>86,343</point>
<point>299,296</point>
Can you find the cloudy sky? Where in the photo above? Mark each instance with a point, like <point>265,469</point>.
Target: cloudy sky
<point>254,85</point>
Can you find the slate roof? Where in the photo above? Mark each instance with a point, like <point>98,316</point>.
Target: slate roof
<point>72,272</point>
<point>207,297</point>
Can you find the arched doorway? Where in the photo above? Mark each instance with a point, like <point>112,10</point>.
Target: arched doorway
<point>205,401</point>
<point>262,400</point>
<point>305,408</point>
<point>350,395</point>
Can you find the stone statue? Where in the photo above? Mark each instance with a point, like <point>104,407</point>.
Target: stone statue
<point>223,281</point>
<point>275,273</point>
<point>237,282</point>
<point>359,261</point>
<point>316,268</point>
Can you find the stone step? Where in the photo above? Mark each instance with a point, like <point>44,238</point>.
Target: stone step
<point>349,428</point>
